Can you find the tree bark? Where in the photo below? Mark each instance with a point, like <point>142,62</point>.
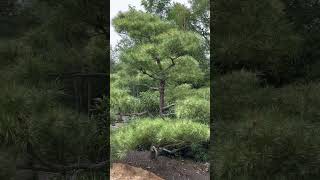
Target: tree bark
<point>161,91</point>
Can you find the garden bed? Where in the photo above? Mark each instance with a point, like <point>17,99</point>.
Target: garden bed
<point>167,168</point>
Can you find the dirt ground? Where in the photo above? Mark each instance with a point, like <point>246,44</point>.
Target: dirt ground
<point>166,168</point>
<point>122,171</point>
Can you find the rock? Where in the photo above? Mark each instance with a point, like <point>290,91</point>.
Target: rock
<point>121,171</point>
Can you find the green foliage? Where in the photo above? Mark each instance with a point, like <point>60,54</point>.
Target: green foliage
<point>101,114</point>
<point>96,54</point>
<point>8,52</point>
<point>194,108</point>
<point>238,92</point>
<point>6,167</point>
<point>275,147</point>
<point>157,7</point>
<point>257,36</point>
<point>172,44</point>
<point>64,130</point>
<point>181,15</point>
<point>18,104</point>
<point>158,42</point>
<point>140,26</point>
<point>235,92</point>
<point>159,52</point>
<point>121,100</point>
<point>50,39</point>
<point>142,133</point>
<point>160,55</point>
<point>178,92</point>
<point>149,101</point>
<point>31,115</point>
<point>266,116</point>
<point>265,132</point>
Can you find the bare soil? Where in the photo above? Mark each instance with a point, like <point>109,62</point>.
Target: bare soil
<point>121,171</point>
<point>164,167</point>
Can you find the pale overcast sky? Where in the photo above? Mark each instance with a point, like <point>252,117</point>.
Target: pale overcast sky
<point>123,5</point>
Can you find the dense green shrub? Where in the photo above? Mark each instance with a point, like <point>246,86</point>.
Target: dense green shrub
<point>9,51</point>
<point>34,115</point>
<point>178,92</point>
<point>266,145</point>
<point>183,91</point>
<point>63,129</point>
<point>18,104</point>
<point>237,92</point>
<point>96,54</point>
<point>122,101</point>
<point>300,100</point>
<point>6,166</point>
<point>265,132</point>
<point>142,133</point>
<point>193,108</point>
<point>149,101</point>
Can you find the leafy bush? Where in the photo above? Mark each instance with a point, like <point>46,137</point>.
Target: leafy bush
<point>194,108</point>
<point>143,133</point>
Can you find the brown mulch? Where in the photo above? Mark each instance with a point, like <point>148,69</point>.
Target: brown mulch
<point>168,168</point>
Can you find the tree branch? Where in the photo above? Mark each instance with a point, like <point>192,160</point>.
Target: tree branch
<point>134,114</point>
<point>150,87</point>
<point>172,63</point>
<point>146,73</point>
<point>169,106</point>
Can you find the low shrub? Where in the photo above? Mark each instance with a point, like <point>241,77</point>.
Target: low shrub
<point>122,101</point>
<point>142,133</point>
<point>194,108</point>
<point>149,101</point>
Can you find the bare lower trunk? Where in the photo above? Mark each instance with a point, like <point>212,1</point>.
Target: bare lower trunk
<point>161,91</point>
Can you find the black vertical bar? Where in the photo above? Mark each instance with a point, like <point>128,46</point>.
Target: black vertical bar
<point>107,123</point>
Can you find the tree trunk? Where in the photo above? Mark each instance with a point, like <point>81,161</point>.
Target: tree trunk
<point>161,91</point>
<point>120,115</point>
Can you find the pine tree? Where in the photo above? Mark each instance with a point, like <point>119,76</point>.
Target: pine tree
<point>160,51</point>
